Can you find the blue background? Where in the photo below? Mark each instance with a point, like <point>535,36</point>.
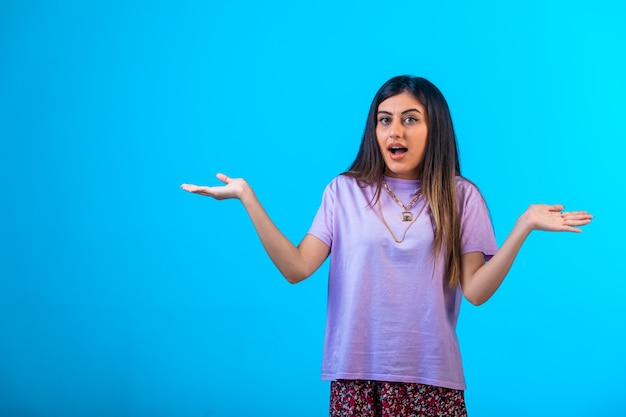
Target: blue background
<point>122,295</point>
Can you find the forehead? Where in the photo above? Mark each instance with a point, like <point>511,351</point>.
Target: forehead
<point>400,102</point>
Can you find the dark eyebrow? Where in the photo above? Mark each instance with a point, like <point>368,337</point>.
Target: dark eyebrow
<point>404,112</point>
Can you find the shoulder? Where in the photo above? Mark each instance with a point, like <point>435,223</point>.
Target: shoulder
<point>345,189</point>
<point>342,182</point>
<point>346,180</point>
<point>338,185</point>
<point>467,190</point>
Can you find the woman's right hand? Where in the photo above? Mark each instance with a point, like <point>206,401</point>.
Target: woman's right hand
<point>233,188</point>
<point>294,262</point>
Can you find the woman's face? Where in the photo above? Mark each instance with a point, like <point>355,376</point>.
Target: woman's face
<point>401,131</point>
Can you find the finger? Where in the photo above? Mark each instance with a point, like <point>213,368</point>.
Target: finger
<point>196,189</point>
<point>188,187</point>
<point>581,222</point>
<point>223,177</point>
<point>556,207</point>
<point>570,223</point>
<point>577,217</point>
<point>577,214</point>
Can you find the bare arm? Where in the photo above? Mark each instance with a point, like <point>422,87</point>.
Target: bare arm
<point>296,263</point>
<point>480,280</point>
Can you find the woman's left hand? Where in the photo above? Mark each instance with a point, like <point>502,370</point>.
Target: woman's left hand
<point>552,218</point>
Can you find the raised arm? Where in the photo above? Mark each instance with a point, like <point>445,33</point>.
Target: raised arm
<point>480,280</point>
<point>296,263</point>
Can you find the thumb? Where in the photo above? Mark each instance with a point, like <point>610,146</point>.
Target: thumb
<point>556,207</point>
<point>222,177</point>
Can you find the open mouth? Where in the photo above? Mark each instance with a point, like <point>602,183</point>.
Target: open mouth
<point>397,150</point>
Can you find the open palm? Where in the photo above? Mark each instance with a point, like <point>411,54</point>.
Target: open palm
<point>233,188</point>
<point>552,218</point>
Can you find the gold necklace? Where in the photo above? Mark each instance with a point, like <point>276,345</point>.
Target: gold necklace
<point>406,213</point>
<point>380,210</point>
<point>407,216</point>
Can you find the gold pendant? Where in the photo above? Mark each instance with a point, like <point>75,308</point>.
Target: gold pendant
<point>407,216</point>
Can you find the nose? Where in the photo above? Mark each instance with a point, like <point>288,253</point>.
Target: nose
<point>395,129</point>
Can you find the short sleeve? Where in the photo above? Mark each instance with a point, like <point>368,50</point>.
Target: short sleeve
<point>322,226</point>
<point>477,233</point>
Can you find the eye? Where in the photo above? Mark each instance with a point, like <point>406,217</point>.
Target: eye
<point>410,120</point>
<point>384,120</point>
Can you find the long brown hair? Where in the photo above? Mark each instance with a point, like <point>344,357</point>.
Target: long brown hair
<point>438,169</point>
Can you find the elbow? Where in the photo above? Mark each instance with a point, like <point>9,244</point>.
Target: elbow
<point>294,278</point>
<point>476,301</point>
<point>297,273</point>
<point>476,298</point>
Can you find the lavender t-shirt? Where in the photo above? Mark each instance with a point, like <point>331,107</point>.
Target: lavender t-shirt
<point>391,315</point>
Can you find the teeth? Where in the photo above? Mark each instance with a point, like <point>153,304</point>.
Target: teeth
<point>395,149</point>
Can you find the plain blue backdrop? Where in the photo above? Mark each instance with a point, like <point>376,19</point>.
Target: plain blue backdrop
<point>121,295</point>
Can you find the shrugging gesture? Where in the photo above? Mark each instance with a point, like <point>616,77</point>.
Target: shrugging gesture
<point>480,280</point>
<point>395,278</point>
<point>295,262</point>
<point>552,218</point>
<point>234,188</point>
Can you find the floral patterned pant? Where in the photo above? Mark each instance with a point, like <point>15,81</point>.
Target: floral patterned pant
<point>394,399</point>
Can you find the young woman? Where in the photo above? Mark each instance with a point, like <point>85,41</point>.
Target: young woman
<point>407,236</point>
